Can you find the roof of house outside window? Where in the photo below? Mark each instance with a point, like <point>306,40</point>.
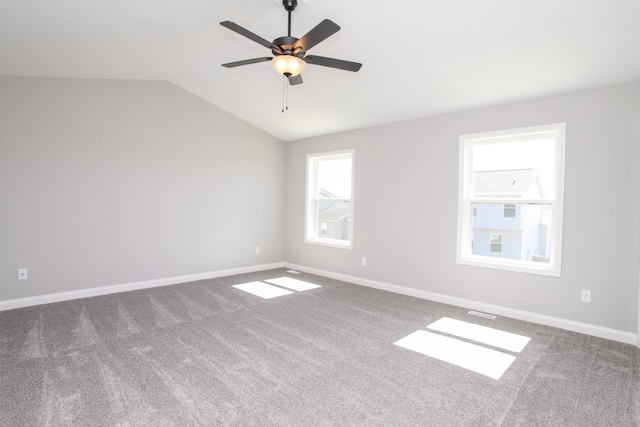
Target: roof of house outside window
<point>335,213</point>
<point>512,181</point>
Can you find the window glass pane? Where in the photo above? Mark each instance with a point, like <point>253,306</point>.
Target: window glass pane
<point>334,178</point>
<point>509,211</point>
<point>523,169</point>
<point>527,239</point>
<point>334,220</point>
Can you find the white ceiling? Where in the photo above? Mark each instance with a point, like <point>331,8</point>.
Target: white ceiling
<point>420,57</point>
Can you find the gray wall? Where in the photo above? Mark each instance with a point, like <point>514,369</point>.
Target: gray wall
<point>111,182</point>
<point>406,186</point>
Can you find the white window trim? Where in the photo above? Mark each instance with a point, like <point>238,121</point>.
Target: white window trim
<point>310,213</point>
<point>465,218</point>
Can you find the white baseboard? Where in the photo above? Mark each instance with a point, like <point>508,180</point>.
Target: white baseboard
<point>126,287</point>
<point>570,325</point>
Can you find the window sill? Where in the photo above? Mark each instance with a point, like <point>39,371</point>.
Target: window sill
<point>511,265</point>
<point>330,243</point>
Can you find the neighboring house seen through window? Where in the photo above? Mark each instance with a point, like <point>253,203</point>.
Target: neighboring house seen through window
<point>511,199</point>
<point>329,210</point>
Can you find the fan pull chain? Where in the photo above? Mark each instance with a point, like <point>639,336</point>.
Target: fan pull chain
<point>285,105</point>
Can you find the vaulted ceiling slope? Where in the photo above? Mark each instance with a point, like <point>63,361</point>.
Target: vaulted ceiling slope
<point>420,57</point>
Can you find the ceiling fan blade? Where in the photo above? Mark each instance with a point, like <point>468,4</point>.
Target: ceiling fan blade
<point>248,34</point>
<point>333,63</point>
<point>246,62</point>
<point>295,80</point>
<point>320,32</point>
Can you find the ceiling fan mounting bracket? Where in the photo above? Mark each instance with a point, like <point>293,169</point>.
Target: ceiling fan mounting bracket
<point>290,5</point>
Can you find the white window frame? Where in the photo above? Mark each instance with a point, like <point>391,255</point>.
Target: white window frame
<point>311,210</point>
<point>466,200</point>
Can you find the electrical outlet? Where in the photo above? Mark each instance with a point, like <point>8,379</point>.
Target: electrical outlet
<point>364,261</point>
<point>23,274</point>
<point>585,296</point>
<point>257,250</point>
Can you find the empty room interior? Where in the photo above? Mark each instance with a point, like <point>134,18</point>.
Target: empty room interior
<point>316,212</point>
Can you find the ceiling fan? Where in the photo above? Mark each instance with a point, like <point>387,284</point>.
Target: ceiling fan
<point>289,52</point>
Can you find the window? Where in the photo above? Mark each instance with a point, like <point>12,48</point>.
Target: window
<point>509,211</point>
<point>495,240</point>
<point>329,210</point>
<point>511,188</point>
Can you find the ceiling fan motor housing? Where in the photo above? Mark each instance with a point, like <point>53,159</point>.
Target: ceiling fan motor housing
<point>286,44</point>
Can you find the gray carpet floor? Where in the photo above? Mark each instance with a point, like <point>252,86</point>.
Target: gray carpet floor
<point>206,353</point>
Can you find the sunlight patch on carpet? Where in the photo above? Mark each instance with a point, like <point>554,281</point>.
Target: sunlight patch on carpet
<point>469,356</point>
<point>481,334</point>
<point>295,284</point>
<point>263,290</point>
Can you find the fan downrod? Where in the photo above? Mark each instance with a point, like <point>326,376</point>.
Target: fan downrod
<point>289,6</point>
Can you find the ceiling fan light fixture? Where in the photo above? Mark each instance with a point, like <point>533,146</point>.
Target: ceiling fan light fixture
<point>288,65</point>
